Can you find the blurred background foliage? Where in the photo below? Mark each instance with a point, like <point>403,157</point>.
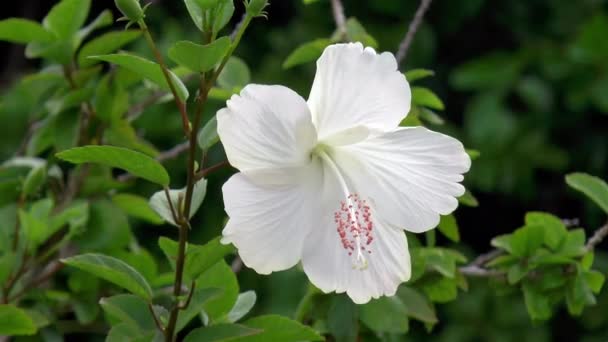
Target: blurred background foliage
<point>524,82</point>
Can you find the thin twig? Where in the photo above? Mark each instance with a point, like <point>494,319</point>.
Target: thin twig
<point>597,237</point>
<point>411,31</point>
<point>204,172</point>
<point>159,325</point>
<point>54,267</point>
<point>190,295</point>
<point>339,17</point>
<point>237,264</point>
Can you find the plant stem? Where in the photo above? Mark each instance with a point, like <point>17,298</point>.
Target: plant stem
<point>177,286</point>
<point>181,106</point>
<point>411,31</point>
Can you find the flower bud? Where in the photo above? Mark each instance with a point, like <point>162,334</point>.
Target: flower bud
<point>130,9</point>
<point>255,8</point>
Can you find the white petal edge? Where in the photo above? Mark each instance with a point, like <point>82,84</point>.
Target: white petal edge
<point>411,175</point>
<point>269,222</point>
<point>354,86</point>
<point>266,127</point>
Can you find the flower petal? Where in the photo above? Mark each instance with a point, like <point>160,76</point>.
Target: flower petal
<point>330,267</point>
<point>411,175</point>
<point>270,220</point>
<point>266,127</point>
<point>355,86</point>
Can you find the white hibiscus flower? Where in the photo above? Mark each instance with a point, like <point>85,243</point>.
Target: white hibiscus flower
<point>333,182</point>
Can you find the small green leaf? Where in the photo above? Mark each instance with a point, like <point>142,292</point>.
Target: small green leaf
<point>595,280</point>
<point>222,13</point>
<point>137,163</point>
<point>207,137</point>
<point>441,290</point>
<point>385,315</point>
<point>17,30</point>
<point>417,305</point>
<point>417,74</point>
<point>278,328</point>
<point>67,17</point>
<point>537,304</point>
<point>221,333</point>
<point>449,227</point>
<point>200,297</point>
<point>526,240</point>
<point>426,98</point>
<point>106,43</point>
<point>219,276</point>
<point>112,270</point>
<point>146,69</point>
<point>128,309</point>
<point>138,207</point>
<point>343,318</point>
<point>516,273</point>
<point>34,180</point>
<point>158,202</point>
<point>473,154</point>
<point>235,75</point>
<point>357,33</point>
<point>431,117</point>
<point>15,322</point>
<point>574,244</point>
<point>307,52</point>
<point>555,230</point>
<point>594,187</point>
<point>199,58</point>
<point>104,19</point>
<point>468,199</point>
<point>244,304</point>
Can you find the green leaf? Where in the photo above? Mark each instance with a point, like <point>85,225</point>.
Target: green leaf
<point>111,101</point>
<point>495,71</point>
<point>197,10</point>
<point>555,230</point>
<point>106,43</point>
<point>210,15</point>
<point>343,318</point>
<point>307,52</point>
<point>595,280</point>
<point>202,258</point>
<point>578,294</point>
<point>537,304</point>
<point>146,69</point>
<point>516,273</point>
<point>440,260</point>
<point>431,117</point>
<point>112,270</point>
<point>244,303</point>
<point>221,333</point>
<point>235,75</point>
<point>138,207</point>
<point>441,290</point>
<point>136,163</point>
<point>219,276</point>
<point>104,19</point>
<point>67,17</point>
<point>158,202</point>
<point>200,297</point>
<point>385,315</point>
<point>128,309</point>
<point>449,227</point>
<point>468,199</point>
<point>222,13</point>
<point>14,321</point>
<point>526,240</point>
<point>418,74</point>
<point>417,305</point>
<point>17,30</point>
<point>278,328</point>
<point>473,154</point>
<point>207,137</point>
<point>426,98</point>
<point>199,58</point>
<point>574,244</point>
<point>357,33</point>
<point>34,180</point>
<point>595,188</point>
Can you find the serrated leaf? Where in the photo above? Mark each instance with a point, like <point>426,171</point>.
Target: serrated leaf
<point>146,69</point>
<point>112,270</point>
<point>17,30</point>
<point>136,163</point>
<point>244,303</point>
<point>417,74</point>
<point>307,52</point>
<point>426,98</point>
<point>595,188</point>
<point>137,207</point>
<point>106,43</point>
<point>221,333</point>
<point>158,202</point>
<point>278,328</point>
<point>15,322</point>
<point>199,58</point>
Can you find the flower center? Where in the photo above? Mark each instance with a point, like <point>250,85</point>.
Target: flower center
<point>354,227</point>
<point>353,219</point>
